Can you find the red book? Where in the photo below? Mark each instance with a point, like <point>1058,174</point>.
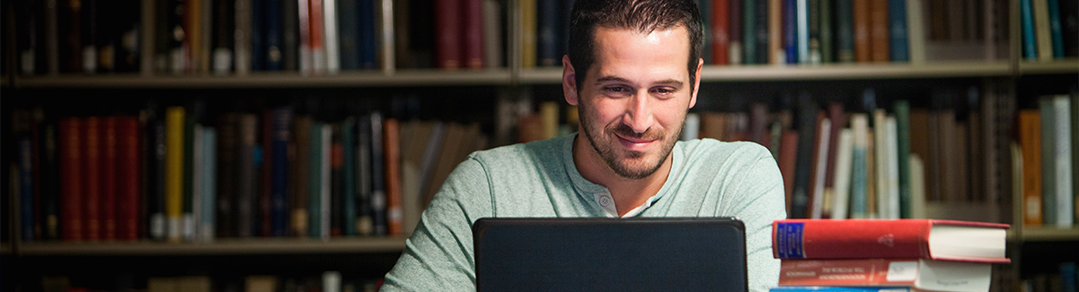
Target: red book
<point>315,35</point>
<point>473,32</point>
<point>862,26</point>
<point>788,157</point>
<point>127,204</point>
<point>108,178</point>
<point>391,148</point>
<point>720,36</point>
<point>448,34</point>
<point>92,175</point>
<point>922,274</point>
<point>71,188</point>
<point>904,238</point>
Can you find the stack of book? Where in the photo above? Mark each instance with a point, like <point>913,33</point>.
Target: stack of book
<point>887,255</point>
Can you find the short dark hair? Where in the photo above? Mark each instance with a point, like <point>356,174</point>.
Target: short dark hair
<point>642,15</point>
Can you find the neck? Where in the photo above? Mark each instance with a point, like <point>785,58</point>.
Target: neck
<point>627,193</point>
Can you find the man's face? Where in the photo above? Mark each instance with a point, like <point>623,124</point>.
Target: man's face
<point>634,99</point>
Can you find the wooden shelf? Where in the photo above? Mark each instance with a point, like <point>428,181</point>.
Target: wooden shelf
<point>1047,234</point>
<point>553,75</point>
<point>220,247</point>
<point>1061,66</point>
<point>274,80</point>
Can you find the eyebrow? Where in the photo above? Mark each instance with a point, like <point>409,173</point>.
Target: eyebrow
<point>671,82</point>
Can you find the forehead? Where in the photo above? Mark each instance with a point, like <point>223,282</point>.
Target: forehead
<point>663,51</point>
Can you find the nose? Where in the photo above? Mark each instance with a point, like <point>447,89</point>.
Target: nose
<point>638,114</point>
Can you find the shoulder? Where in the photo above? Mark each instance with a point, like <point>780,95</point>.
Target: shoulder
<point>711,150</point>
<point>521,155</point>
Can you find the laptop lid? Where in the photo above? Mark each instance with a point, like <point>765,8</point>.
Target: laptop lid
<point>610,254</point>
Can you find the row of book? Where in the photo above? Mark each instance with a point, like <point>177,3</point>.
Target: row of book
<point>871,162</point>
<point>1064,279</point>
<point>182,175</point>
<point>329,281</point>
<point>1047,142</point>
<point>1050,29</point>
<point>241,36</point>
<point>887,255</point>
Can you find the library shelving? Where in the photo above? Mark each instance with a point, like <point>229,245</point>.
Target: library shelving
<point>512,81</point>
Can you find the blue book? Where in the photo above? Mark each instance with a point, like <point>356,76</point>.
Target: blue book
<point>749,31</point>
<point>282,123</point>
<point>368,43</point>
<point>1054,28</point>
<point>801,14</point>
<point>274,34</point>
<point>1068,277</point>
<point>258,31</point>
<point>844,19</point>
<point>1026,15</point>
<point>209,185</point>
<point>348,34</point>
<point>705,7</point>
<point>790,35</point>
<point>349,198</point>
<point>26,188</point>
<point>859,180</point>
<point>837,289</point>
<point>547,36</point>
<point>897,15</point>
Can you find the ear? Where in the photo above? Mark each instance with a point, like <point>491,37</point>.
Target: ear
<point>569,82</point>
<point>696,83</point>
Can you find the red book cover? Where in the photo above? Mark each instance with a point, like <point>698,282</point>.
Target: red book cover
<point>788,156</point>
<point>473,32</point>
<point>265,173</point>
<point>878,31</point>
<point>108,178</point>
<point>127,217</point>
<point>71,187</point>
<point>92,175</point>
<point>903,238</point>
<point>862,28</point>
<point>315,32</point>
<point>720,34</point>
<point>391,147</point>
<point>448,34</point>
<point>922,274</point>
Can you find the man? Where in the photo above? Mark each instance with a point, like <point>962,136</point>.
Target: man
<point>633,70</point>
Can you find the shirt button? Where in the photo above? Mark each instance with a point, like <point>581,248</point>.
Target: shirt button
<point>605,201</point>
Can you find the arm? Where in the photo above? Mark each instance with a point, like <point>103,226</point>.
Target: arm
<point>758,200</point>
<point>438,255</point>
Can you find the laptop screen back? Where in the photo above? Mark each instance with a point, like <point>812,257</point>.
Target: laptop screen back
<point>591,254</point>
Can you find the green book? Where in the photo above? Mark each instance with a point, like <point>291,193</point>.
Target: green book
<point>347,128</point>
<point>314,172</point>
<point>749,31</point>
<point>827,56</point>
<point>902,121</point>
<point>1049,192</point>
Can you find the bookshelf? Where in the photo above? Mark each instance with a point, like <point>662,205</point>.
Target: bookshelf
<point>512,77</point>
<point>269,246</point>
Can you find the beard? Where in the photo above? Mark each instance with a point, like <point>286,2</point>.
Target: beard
<point>627,164</point>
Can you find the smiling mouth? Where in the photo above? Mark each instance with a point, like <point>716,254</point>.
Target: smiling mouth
<point>635,144</point>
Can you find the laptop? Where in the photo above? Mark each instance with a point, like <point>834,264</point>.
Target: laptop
<point>610,254</point>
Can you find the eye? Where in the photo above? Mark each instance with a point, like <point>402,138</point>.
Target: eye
<point>664,91</point>
<point>616,89</point>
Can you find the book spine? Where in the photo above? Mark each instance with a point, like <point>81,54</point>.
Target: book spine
<point>207,219</point>
<point>859,182</point>
<point>827,32</point>
<point>916,33</point>
<point>226,169</point>
<point>492,33</point>
<point>813,24</point>
<point>301,173</point>
<point>368,36</point>
<point>257,35</point>
<point>788,157</point>
<point>749,31</point>
<point>862,26</point>
<point>92,175</point>
<point>883,272</point>
<point>761,31</point>
<point>274,35</point>
<point>349,30</point>
<point>707,10</point>
<point>473,35</point>
<point>775,34</point>
<point>1055,29</point>
<point>378,182</point>
<point>314,181</point>
<point>174,173</point>
<point>1026,16</point>
<point>109,175</point>
<point>790,31</point>
<point>71,173</point>
<point>392,148</point>
<point>25,176</point>
<point>222,36</point>
<point>304,35</point>
<point>448,32</point>
<point>242,37</point>
<point>325,181</point>
<point>1069,21</point>
<point>349,193</point>
<point>801,15</point>
<point>720,32</point>
<point>193,203</point>
<point>843,175</point>
<point>50,181</point>
<point>878,31</point>
<point>844,13</point>
<point>330,36</point>
<point>1041,29</point>
<point>807,121</point>
<point>316,37</point>
<point>265,165</point>
<point>190,169</point>
<point>902,118</point>
<point>290,41</point>
<point>527,33</point>
<point>850,239</point>
<point>364,216</point>
<point>337,184</point>
<point>1048,162</point>
<point>1062,162</point>
<point>247,184</point>
<point>282,121</point>
<point>897,15</point>
<point>734,30</point>
<point>1030,142</point>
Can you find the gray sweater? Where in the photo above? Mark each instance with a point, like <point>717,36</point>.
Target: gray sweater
<point>708,178</point>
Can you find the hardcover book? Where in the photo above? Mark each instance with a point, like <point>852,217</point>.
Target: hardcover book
<point>903,238</point>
